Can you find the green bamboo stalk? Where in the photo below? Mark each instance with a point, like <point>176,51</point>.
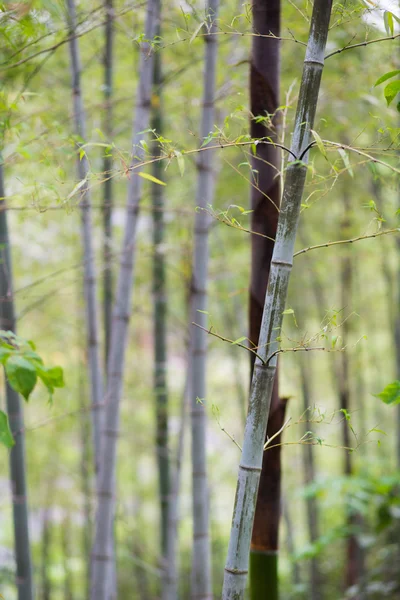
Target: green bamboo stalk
<point>23,559</point>
<point>160,318</point>
<point>201,584</point>
<point>236,569</point>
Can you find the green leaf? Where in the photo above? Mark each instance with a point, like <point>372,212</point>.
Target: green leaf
<point>181,162</point>
<point>52,378</point>
<point>151,178</point>
<point>388,21</point>
<point>319,143</point>
<point>391,393</point>
<point>239,340</point>
<point>76,189</point>
<point>4,354</point>
<point>386,76</point>
<point>288,311</point>
<point>346,161</point>
<point>196,32</point>
<point>6,437</point>
<point>21,375</point>
<point>391,91</point>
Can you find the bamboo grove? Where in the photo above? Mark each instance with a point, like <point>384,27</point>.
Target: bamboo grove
<point>199,223</point>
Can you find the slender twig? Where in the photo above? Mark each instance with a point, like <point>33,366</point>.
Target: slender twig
<point>359,45</point>
<point>65,40</point>
<point>269,440</point>
<point>224,339</point>
<point>297,349</point>
<point>349,241</point>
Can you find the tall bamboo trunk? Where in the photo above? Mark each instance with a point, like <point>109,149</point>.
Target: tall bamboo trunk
<point>108,181</point>
<point>354,558</point>
<point>201,560</point>
<point>47,531</point>
<point>171,583</point>
<point>315,580</point>
<point>160,319</point>
<point>90,282</point>
<point>265,365</point>
<point>101,559</point>
<point>265,201</point>
<point>22,548</point>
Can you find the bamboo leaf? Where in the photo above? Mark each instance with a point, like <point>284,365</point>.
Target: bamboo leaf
<point>391,91</point>
<point>151,178</point>
<point>181,162</point>
<point>76,189</point>
<point>386,76</point>
<point>319,143</point>
<point>6,437</point>
<point>346,161</point>
<point>388,21</point>
<point>239,340</point>
<point>391,393</point>
<point>21,375</point>
<point>196,32</point>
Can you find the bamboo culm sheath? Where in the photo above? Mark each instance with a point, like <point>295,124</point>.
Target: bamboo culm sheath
<point>236,569</point>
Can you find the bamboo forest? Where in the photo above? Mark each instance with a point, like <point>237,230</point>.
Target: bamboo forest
<point>200,300</point>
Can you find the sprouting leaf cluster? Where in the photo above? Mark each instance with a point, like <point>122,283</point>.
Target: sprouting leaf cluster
<point>23,368</point>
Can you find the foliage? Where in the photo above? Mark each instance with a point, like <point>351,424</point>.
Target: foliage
<point>23,367</point>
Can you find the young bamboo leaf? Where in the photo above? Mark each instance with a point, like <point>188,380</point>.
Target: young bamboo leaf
<point>239,340</point>
<point>181,162</point>
<point>6,437</point>
<point>21,375</point>
<point>76,189</point>
<point>319,143</point>
<point>388,21</point>
<point>386,76</point>
<point>196,32</point>
<point>390,394</point>
<point>151,178</point>
<point>345,158</point>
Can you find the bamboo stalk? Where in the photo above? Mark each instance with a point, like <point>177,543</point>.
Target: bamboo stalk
<point>160,320</point>
<point>264,373</point>
<point>101,558</point>
<point>90,281</point>
<point>315,590</point>
<point>171,583</point>
<point>108,182</point>
<point>22,549</point>
<point>265,200</point>
<point>201,584</point>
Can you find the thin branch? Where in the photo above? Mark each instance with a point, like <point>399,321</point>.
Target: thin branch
<point>224,339</point>
<point>349,241</point>
<point>65,40</point>
<point>366,43</point>
<point>297,349</point>
<point>269,440</point>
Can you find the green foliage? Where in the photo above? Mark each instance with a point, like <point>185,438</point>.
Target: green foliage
<point>391,393</point>
<point>23,367</point>
<point>6,437</point>
<point>392,89</point>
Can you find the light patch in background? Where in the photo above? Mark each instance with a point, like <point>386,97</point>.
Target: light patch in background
<point>375,16</point>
